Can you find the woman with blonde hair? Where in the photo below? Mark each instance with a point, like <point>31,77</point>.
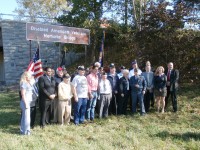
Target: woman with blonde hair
<point>160,81</point>
<point>26,98</point>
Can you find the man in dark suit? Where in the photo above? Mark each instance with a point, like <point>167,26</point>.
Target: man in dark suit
<point>172,85</point>
<point>46,85</point>
<point>114,81</point>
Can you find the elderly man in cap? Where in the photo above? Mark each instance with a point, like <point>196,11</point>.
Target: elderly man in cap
<point>134,66</point>
<point>131,73</point>
<point>121,72</point>
<point>80,87</point>
<point>114,81</point>
<point>58,79</point>
<point>105,95</point>
<point>138,88</point>
<point>65,93</point>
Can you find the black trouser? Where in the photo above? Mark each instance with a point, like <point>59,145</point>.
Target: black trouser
<point>113,104</point>
<point>148,97</point>
<point>46,113</point>
<point>173,97</point>
<point>33,115</point>
<point>122,103</point>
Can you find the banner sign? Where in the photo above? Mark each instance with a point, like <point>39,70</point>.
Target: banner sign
<point>53,33</point>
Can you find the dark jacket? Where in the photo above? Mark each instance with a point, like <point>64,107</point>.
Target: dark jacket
<point>149,77</point>
<point>140,81</point>
<point>58,80</point>
<point>160,81</point>
<point>123,84</point>
<point>114,81</point>
<point>174,77</point>
<point>46,87</point>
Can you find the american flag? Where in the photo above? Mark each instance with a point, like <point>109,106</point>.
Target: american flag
<point>35,65</point>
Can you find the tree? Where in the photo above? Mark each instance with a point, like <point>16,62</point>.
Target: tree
<point>121,11</point>
<point>139,9</point>
<point>164,39</point>
<point>42,10</point>
<point>193,18</point>
<point>86,14</point>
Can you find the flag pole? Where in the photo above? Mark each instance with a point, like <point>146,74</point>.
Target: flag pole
<point>59,53</point>
<point>30,50</point>
<point>85,54</point>
<point>103,25</point>
<point>104,34</point>
<point>38,46</point>
<point>65,57</point>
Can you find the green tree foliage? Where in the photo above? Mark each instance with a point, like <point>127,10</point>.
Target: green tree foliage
<point>193,19</point>
<point>138,10</point>
<point>87,14</point>
<point>121,11</point>
<point>41,10</point>
<point>163,39</point>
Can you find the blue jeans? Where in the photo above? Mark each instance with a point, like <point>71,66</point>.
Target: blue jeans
<point>25,119</point>
<point>140,97</point>
<point>91,104</point>
<point>79,110</point>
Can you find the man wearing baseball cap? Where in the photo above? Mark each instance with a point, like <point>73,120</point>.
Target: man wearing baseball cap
<point>80,87</point>
<point>138,88</point>
<point>121,73</point>
<point>65,94</point>
<point>134,66</point>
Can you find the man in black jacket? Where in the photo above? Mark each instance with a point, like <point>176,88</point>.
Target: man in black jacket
<point>114,81</point>
<point>47,91</point>
<point>172,85</point>
<point>124,92</point>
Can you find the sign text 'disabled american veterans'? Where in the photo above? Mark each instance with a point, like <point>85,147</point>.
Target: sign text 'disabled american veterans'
<point>53,33</point>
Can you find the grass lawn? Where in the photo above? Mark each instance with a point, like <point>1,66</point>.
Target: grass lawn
<point>153,131</point>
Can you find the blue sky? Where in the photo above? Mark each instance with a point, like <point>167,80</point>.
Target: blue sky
<point>7,6</point>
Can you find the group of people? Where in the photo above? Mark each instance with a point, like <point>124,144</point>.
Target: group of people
<point>95,92</point>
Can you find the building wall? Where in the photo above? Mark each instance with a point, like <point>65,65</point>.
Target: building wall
<point>1,43</point>
<point>1,68</point>
<point>16,50</point>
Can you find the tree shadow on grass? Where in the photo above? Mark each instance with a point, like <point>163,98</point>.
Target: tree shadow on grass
<point>187,136</point>
<point>189,90</point>
<point>10,122</point>
<point>10,112</point>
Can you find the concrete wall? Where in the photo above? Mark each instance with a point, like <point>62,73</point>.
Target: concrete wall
<point>16,51</point>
